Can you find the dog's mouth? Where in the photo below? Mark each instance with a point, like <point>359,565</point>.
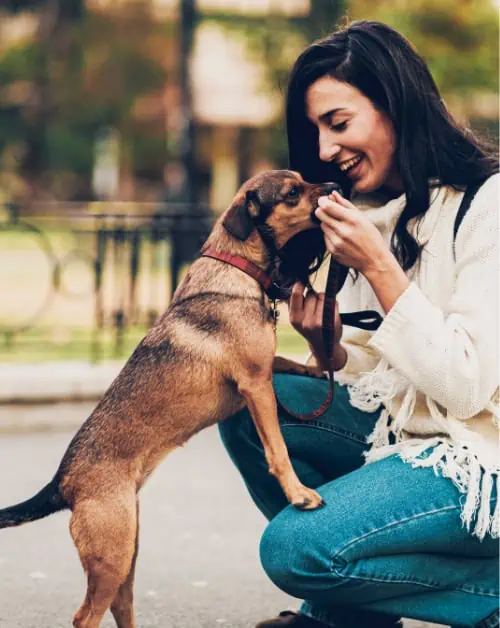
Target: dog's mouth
<point>300,257</point>
<point>324,190</point>
<point>314,218</point>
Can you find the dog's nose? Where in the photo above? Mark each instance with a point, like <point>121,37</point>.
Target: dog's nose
<point>330,187</point>
<point>325,190</point>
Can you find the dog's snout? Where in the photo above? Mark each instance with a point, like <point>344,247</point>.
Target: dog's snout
<point>324,189</point>
<point>330,187</point>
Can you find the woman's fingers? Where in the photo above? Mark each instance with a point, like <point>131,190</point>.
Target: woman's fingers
<point>341,200</point>
<point>320,304</point>
<point>329,207</point>
<point>297,295</point>
<point>312,311</point>
<point>332,240</point>
<point>306,312</point>
<point>296,304</point>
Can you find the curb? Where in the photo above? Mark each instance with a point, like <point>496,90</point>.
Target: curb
<point>68,381</point>
<point>55,381</point>
<point>54,396</point>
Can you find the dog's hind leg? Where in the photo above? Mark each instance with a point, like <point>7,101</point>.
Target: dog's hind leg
<point>123,604</point>
<point>104,532</point>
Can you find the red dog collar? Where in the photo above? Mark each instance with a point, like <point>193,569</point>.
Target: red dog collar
<point>270,287</point>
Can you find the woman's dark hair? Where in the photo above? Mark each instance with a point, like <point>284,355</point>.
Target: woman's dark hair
<point>382,65</point>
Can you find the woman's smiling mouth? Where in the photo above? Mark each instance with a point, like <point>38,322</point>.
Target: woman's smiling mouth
<point>350,163</point>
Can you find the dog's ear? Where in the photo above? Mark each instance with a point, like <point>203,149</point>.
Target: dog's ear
<point>239,220</point>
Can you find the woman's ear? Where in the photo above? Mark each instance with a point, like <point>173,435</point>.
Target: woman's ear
<point>239,219</point>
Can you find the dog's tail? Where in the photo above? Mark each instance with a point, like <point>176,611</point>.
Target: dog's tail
<point>44,503</point>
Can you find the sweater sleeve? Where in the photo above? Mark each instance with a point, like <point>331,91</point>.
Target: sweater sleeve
<point>451,354</point>
<point>360,356</point>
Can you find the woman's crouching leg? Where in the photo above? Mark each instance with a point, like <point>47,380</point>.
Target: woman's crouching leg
<point>390,540</point>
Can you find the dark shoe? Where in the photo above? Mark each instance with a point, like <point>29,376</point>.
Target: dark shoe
<point>492,621</point>
<point>289,619</point>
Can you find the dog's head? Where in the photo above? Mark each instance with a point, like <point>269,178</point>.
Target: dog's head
<point>278,200</point>
<point>280,205</point>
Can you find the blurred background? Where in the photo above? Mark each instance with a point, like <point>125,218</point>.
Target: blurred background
<point>127,125</point>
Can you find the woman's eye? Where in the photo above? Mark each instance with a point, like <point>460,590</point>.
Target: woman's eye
<point>341,126</point>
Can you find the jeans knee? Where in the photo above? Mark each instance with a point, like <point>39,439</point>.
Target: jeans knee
<point>275,557</point>
<point>290,557</point>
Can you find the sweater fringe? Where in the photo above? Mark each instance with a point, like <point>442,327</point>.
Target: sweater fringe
<point>446,454</point>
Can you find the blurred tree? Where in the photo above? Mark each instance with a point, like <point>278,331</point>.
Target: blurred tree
<point>82,71</point>
<point>275,40</point>
<point>457,38</point>
<point>85,70</point>
<point>26,71</point>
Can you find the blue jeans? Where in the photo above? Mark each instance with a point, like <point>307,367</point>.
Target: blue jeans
<point>388,543</point>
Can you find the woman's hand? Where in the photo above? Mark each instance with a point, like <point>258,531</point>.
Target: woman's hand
<point>306,316</point>
<point>355,242</point>
<point>349,236</point>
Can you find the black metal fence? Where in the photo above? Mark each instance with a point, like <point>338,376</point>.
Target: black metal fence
<point>87,282</point>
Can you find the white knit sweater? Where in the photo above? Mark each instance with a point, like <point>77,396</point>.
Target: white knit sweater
<point>434,362</point>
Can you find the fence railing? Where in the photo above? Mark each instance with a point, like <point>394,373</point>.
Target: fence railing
<point>87,282</point>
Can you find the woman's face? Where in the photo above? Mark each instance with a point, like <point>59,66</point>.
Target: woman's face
<point>354,135</point>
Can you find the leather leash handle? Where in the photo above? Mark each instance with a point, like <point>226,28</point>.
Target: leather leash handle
<point>334,282</point>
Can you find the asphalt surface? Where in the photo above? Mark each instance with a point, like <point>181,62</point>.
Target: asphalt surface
<point>198,564</point>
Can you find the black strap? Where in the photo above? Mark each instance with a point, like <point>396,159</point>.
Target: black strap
<point>470,193</point>
<point>367,319</point>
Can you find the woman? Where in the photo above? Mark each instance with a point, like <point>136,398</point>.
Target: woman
<point>413,533</point>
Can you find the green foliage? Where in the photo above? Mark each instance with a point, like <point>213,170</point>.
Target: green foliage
<point>94,69</point>
<point>18,63</point>
<point>87,74</point>
<point>457,38</point>
<point>275,41</point>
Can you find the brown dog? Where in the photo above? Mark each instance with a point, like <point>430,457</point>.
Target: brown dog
<point>210,354</point>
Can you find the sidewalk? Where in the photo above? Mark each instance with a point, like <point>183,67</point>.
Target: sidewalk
<point>28,390</point>
<point>28,393</point>
<point>56,381</point>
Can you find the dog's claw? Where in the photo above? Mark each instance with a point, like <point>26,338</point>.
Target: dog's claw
<point>309,504</point>
<point>303,504</point>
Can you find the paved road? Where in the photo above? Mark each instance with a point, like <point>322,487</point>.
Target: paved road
<point>198,565</point>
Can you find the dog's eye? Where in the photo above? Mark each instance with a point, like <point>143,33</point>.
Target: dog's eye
<point>294,192</point>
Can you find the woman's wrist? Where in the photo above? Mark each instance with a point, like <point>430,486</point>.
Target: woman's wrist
<point>339,357</point>
<point>388,281</point>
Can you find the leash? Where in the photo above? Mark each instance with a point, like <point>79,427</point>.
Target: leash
<point>337,274</point>
<point>367,319</point>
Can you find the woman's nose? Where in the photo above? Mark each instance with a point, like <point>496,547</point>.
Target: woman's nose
<point>328,148</point>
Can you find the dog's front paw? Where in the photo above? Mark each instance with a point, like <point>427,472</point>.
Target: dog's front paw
<point>308,500</point>
<point>284,365</point>
<point>314,371</point>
